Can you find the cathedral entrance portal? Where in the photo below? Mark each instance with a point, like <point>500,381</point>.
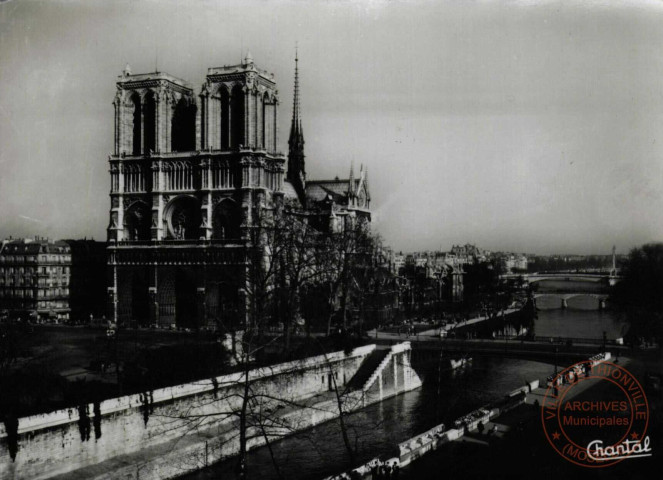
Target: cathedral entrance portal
<point>133,296</point>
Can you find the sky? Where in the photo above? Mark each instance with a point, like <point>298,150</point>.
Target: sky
<point>527,126</point>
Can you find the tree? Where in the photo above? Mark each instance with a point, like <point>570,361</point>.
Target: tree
<point>482,286</point>
<point>637,296</point>
<point>301,260</point>
<point>348,254</point>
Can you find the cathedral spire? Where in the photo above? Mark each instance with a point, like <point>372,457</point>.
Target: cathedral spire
<point>296,157</point>
<point>296,132</point>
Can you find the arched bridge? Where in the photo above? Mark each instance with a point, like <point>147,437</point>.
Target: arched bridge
<point>582,300</point>
<point>570,276</point>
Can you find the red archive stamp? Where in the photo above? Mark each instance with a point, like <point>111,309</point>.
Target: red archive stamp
<point>595,414</point>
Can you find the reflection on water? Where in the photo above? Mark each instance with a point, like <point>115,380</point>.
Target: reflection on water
<point>378,429</point>
<point>578,324</point>
<point>553,301</point>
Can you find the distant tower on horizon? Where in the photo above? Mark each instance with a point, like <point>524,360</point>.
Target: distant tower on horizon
<point>613,272</point>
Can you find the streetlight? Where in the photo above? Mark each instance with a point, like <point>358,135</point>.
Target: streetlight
<point>604,340</point>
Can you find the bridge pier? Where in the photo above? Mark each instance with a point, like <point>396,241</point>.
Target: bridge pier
<point>564,304</point>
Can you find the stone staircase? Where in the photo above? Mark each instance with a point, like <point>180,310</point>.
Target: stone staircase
<point>368,369</point>
<point>378,371</point>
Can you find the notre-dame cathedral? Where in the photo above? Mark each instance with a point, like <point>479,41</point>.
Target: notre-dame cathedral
<point>191,176</point>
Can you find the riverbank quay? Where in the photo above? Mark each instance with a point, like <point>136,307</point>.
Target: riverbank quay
<point>377,430</point>
<point>168,432</point>
<point>488,426</point>
<point>416,447</point>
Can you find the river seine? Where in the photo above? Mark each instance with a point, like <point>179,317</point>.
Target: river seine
<point>583,318</point>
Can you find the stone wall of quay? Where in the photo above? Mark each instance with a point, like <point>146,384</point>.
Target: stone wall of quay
<point>203,450</point>
<point>52,444</point>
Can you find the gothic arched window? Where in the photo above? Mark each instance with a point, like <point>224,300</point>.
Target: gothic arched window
<point>149,119</point>
<point>183,131</point>
<point>134,179</point>
<point>225,118</point>
<point>237,116</point>
<point>137,123</point>
<point>137,221</point>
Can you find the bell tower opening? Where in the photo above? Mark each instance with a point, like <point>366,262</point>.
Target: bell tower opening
<point>237,116</point>
<point>137,117</point>
<point>225,119</point>
<point>183,129</point>
<point>149,121</point>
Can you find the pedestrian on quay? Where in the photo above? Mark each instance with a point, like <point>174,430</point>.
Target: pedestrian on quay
<point>375,470</point>
<point>382,473</point>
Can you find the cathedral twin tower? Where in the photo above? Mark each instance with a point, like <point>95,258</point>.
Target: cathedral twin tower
<point>168,143</point>
<point>190,177</point>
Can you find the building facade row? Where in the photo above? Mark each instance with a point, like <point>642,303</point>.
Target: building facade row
<point>35,278</point>
<point>45,280</point>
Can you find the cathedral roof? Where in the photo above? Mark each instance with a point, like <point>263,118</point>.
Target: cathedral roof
<point>289,190</point>
<point>318,190</point>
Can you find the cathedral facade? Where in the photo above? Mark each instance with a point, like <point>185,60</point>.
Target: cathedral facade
<point>192,177</point>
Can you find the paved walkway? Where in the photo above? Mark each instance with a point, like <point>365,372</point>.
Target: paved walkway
<point>435,332</point>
